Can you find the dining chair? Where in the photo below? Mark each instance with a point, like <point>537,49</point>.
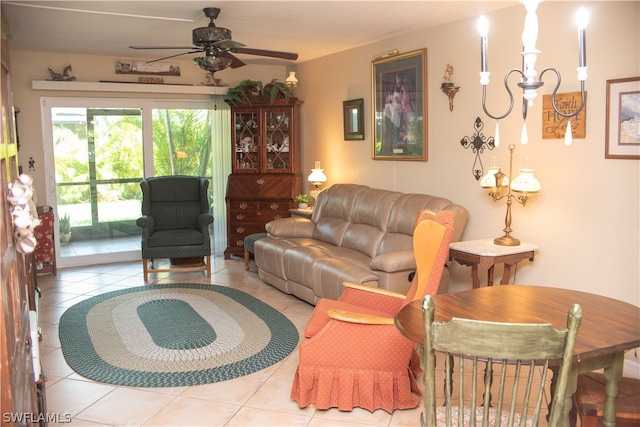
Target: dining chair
<point>474,351</point>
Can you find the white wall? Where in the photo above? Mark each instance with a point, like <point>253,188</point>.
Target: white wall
<point>586,218</point>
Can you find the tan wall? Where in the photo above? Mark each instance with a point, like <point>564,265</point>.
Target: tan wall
<point>30,66</point>
<point>585,219</point>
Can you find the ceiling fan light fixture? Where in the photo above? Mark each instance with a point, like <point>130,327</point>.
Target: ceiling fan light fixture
<point>212,63</point>
<point>206,35</point>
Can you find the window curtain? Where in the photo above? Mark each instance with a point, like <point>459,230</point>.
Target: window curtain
<point>221,158</point>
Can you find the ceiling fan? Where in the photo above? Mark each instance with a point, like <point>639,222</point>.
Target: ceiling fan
<point>216,44</point>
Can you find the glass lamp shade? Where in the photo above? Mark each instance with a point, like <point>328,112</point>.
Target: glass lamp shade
<point>526,182</point>
<point>317,177</point>
<point>212,63</point>
<point>489,180</point>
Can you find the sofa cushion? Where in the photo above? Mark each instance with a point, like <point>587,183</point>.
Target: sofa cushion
<point>332,213</point>
<point>369,220</point>
<point>304,263</point>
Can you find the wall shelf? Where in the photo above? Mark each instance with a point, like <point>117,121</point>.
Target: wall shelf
<point>126,87</point>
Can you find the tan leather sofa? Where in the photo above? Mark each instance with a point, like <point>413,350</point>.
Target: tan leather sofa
<point>356,233</point>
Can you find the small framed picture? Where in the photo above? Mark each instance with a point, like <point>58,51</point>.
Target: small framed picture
<point>622,124</point>
<point>353,115</point>
<point>399,94</point>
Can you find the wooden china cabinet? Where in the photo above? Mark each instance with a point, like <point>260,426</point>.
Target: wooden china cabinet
<point>265,174</point>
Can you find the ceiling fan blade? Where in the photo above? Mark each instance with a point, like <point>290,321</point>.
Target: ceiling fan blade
<point>226,44</point>
<point>164,47</point>
<point>235,62</point>
<point>173,56</point>
<point>261,52</point>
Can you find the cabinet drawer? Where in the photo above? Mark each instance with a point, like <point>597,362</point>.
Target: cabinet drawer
<point>261,217</point>
<point>240,230</point>
<point>242,206</point>
<point>276,186</point>
<point>275,206</point>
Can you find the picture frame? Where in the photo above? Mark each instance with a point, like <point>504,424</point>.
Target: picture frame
<point>622,123</point>
<point>148,68</point>
<point>353,117</point>
<point>399,94</point>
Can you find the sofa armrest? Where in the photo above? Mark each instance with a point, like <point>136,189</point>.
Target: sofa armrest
<point>392,262</point>
<point>204,220</point>
<point>147,224</point>
<point>290,227</point>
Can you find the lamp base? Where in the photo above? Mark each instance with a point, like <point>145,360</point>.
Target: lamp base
<point>506,240</point>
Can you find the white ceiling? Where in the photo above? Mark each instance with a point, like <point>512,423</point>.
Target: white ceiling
<point>310,28</point>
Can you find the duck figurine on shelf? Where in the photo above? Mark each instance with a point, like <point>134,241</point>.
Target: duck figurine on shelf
<point>64,77</point>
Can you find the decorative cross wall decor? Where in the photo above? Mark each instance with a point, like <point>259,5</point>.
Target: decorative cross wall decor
<point>478,142</point>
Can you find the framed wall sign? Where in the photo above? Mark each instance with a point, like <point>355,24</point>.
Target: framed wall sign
<point>554,125</point>
<point>622,125</point>
<point>399,94</point>
<point>353,115</point>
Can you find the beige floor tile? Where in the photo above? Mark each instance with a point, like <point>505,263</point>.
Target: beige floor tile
<point>236,391</point>
<point>274,395</point>
<point>54,364</point>
<point>356,416</point>
<point>251,417</point>
<point>118,408</point>
<point>71,397</point>
<point>186,411</point>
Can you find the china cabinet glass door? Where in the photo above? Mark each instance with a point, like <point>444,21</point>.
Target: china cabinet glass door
<point>277,143</point>
<point>247,140</point>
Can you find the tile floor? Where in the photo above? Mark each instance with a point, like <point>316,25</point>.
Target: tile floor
<point>259,399</point>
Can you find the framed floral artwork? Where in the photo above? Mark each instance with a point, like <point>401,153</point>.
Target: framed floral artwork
<point>399,94</point>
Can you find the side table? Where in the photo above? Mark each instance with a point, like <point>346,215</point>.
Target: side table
<point>487,254</point>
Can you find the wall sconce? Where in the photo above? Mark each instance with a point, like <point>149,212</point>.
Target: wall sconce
<point>527,83</point>
<point>316,178</point>
<point>448,87</point>
<point>523,184</point>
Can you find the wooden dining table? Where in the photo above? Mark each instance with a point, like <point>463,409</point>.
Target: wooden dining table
<point>609,327</point>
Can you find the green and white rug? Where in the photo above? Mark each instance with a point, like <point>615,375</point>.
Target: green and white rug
<point>173,335</point>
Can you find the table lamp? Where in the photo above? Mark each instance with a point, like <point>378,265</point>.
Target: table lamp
<point>316,178</point>
<point>524,184</point>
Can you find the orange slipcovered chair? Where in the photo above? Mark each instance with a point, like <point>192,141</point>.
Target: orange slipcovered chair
<point>352,354</point>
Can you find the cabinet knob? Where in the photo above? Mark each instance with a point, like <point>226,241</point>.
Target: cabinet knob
<point>259,181</point>
<point>274,206</point>
<point>277,217</point>
<point>239,217</point>
<point>243,206</point>
<point>240,243</point>
<point>240,230</point>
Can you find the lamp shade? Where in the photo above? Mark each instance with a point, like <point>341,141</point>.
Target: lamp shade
<point>526,182</point>
<point>489,180</point>
<point>317,177</point>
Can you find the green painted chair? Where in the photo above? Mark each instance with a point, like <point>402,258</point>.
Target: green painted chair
<point>523,353</point>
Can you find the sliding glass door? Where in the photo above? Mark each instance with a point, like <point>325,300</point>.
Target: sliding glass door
<point>98,150</point>
<point>98,156</point>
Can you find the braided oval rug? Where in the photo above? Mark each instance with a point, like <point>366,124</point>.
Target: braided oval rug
<point>173,335</point>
